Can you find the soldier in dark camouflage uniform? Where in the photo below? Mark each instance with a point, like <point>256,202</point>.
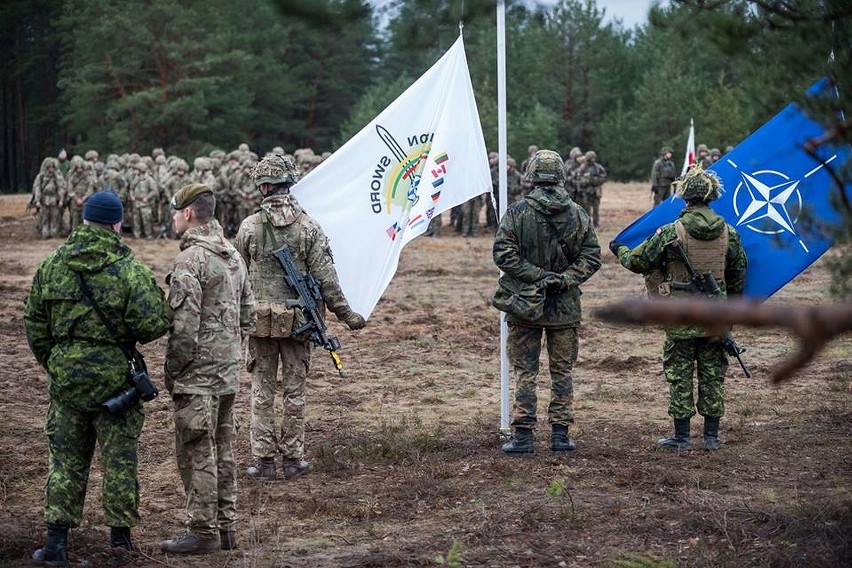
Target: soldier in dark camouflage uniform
<point>590,179</point>
<point>213,308</point>
<point>663,173</point>
<point>86,366</point>
<point>545,241</point>
<point>702,156</point>
<point>711,244</point>
<point>282,222</point>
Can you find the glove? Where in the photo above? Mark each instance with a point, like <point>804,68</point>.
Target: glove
<point>355,321</point>
<point>614,246</point>
<point>554,282</point>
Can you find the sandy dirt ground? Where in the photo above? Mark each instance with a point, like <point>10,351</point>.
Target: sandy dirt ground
<point>405,449</point>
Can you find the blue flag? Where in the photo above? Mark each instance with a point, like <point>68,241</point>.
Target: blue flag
<point>771,186</point>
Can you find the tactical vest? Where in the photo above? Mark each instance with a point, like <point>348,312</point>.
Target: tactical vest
<point>703,255</point>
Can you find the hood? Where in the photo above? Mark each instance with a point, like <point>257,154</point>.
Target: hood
<point>209,236</point>
<point>549,199</point>
<point>91,248</point>
<point>282,210</point>
<point>702,223</point>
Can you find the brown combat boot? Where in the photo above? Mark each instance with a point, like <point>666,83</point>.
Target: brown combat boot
<point>263,469</point>
<point>295,467</point>
<point>188,543</point>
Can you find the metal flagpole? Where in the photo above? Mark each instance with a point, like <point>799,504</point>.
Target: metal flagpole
<point>503,193</point>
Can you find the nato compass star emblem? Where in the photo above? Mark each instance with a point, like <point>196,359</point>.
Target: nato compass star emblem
<point>769,202</point>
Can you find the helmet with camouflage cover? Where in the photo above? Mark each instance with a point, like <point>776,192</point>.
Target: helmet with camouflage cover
<point>157,152</point>
<point>217,154</point>
<point>278,150</point>
<point>141,166</point>
<point>243,147</point>
<point>666,150</point>
<point>200,164</point>
<point>698,185</point>
<point>276,170</point>
<point>591,155</point>
<point>91,155</point>
<point>714,152</point>
<point>180,165</point>
<point>76,162</point>
<point>575,151</point>
<point>702,148</point>
<point>510,161</point>
<point>545,166</point>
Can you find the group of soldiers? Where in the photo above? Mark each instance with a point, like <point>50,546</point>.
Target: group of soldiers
<point>584,178</point>
<point>664,172</point>
<point>146,184</point>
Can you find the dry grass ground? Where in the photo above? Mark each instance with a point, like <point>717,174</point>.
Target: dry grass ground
<point>408,470</point>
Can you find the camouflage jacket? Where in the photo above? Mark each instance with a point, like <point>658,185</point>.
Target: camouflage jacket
<point>49,190</point>
<point>291,227</point>
<point>81,185</point>
<point>213,307</point>
<point>701,223</point>
<point>143,191</point>
<point>525,247</point>
<point>589,176</point>
<point>663,173</point>
<point>83,359</point>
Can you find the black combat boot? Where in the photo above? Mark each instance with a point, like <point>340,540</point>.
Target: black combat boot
<point>559,440</point>
<point>711,433</point>
<point>522,442</point>
<point>121,547</point>
<point>189,543</point>
<point>55,551</point>
<point>680,440</point>
<point>227,540</point>
<point>294,467</point>
<point>263,469</point>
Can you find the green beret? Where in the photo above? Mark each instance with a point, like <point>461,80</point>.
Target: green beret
<point>189,193</point>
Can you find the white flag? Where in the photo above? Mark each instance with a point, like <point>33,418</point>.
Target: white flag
<point>422,155</point>
<point>689,158</point>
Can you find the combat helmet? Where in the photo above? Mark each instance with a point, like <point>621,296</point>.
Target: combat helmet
<point>575,151</point>
<point>545,166</point>
<point>666,150</point>
<point>591,155</point>
<point>91,155</point>
<point>715,152</point>
<point>698,185</point>
<point>275,169</point>
<point>702,148</point>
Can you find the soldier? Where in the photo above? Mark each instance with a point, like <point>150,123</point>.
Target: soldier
<point>545,243</point>
<point>711,245</point>
<point>213,308</point>
<point>663,173</point>
<point>702,156</point>
<point>525,164</point>
<point>514,181</point>
<point>85,353</point>
<point>590,179</point>
<point>49,198</point>
<point>470,216</point>
<point>143,196</point>
<point>715,155</point>
<point>282,222</point>
<point>575,160</point>
<point>174,182</point>
<point>81,185</point>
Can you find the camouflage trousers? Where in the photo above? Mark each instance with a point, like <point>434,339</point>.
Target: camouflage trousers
<point>143,221</point>
<point>434,228</point>
<point>524,347</point>
<point>50,221</point>
<point>661,193</point>
<point>71,438</point>
<point>680,357</point>
<point>593,206</point>
<point>470,216</point>
<point>270,435</point>
<point>75,215</point>
<point>204,433</point>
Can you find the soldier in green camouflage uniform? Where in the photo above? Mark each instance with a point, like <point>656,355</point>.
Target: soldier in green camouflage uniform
<point>663,173</point>
<point>711,245</point>
<point>282,222</point>
<point>590,179</point>
<point>86,366</point>
<point>545,241</point>
<point>143,197</point>
<point>81,185</point>
<point>213,308</point>
<point>576,157</point>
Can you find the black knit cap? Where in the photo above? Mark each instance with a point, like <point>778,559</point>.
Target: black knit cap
<point>103,207</point>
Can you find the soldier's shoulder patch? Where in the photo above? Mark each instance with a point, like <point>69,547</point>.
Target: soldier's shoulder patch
<point>659,230</point>
<point>177,293</point>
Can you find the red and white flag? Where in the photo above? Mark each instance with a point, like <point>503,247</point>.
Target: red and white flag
<point>689,159</point>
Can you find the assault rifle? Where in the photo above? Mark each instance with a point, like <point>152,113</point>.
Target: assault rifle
<point>308,289</point>
<point>705,284</point>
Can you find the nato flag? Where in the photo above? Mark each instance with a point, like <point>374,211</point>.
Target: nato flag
<point>778,197</point>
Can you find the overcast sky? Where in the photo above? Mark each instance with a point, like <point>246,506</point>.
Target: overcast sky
<point>630,12</point>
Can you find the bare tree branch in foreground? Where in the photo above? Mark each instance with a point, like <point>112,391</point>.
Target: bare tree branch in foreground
<point>814,326</point>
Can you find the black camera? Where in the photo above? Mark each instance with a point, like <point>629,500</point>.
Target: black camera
<point>141,387</point>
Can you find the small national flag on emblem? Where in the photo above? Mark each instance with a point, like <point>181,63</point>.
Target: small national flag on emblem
<point>430,212</point>
<point>442,157</point>
<point>435,196</point>
<point>393,231</point>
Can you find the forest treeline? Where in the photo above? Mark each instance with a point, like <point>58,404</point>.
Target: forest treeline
<point>191,76</point>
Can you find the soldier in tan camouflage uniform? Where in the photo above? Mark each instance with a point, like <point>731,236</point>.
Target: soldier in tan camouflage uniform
<point>143,197</point>
<point>213,307</point>
<point>590,179</point>
<point>81,185</point>
<point>49,198</point>
<point>282,222</point>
